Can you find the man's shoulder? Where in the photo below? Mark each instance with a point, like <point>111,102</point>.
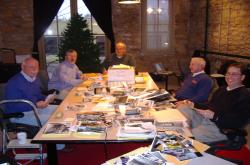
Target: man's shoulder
<point>204,76</point>
<point>16,78</point>
<point>243,90</point>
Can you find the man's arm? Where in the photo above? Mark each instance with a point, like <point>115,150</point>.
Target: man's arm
<point>237,118</point>
<point>13,92</point>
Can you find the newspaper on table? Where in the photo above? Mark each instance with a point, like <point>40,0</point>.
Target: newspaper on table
<point>175,145</point>
<point>147,158</point>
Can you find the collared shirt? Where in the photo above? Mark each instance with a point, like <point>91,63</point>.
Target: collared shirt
<point>230,89</point>
<point>27,77</point>
<point>66,75</point>
<point>197,73</point>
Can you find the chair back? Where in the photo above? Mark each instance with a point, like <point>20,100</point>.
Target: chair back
<point>44,79</point>
<point>7,56</point>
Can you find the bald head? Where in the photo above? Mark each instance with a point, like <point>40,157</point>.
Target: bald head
<point>120,49</point>
<point>30,67</point>
<point>197,64</point>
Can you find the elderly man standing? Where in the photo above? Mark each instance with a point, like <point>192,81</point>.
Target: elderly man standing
<point>197,86</point>
<point>119,57</point>
<point>25,85</point>
<point>229,108</point>
<point>66,75</point>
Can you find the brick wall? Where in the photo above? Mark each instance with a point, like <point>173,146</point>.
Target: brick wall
<point>16,25</point>
<point>127,28</point>
<point>228,28</point>
<point>197,25</point>
<point>229,24</point>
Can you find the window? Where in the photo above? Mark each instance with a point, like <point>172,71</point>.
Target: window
<point>156,26</point>
<point>53,33</point>
<point>93,26</point>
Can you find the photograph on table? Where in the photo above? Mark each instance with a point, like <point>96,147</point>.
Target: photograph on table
<point>58,128</point>
<point>175,145</point>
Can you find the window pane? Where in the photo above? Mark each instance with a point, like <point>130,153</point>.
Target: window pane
<point>152,3</point>
<point>163,28</point>
<point>84,11</point>
<point>163,4</point>
<point>151,28</point>
<point>151,18</point>
<point>53,32</point>
<point>163,40</point>
<point>151,41</point>
<point>157,24</point>
<point>93,26</point>
<point>163,18</point>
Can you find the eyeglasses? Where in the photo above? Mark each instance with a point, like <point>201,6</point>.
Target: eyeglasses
<point>233,74</point>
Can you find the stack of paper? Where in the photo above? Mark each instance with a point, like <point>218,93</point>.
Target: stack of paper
<point>105,106</point>
<point>144,130</point>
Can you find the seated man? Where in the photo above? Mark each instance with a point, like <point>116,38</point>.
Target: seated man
<point>66,75</point>
<point>25,85</point>
<point>120,57</point>
<point>197,86</point>
<point>229,108</point>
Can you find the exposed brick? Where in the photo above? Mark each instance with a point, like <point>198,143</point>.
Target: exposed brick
<point>16,25</point>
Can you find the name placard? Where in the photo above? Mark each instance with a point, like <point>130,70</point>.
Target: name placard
<point>120,75</point>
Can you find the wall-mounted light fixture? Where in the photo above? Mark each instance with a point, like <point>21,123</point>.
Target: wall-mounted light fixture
<point>128,1</point>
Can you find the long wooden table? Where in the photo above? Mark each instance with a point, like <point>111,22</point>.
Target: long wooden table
<point>65,115</point>
<point>110,135</point>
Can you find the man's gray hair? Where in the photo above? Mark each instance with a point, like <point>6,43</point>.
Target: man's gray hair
<point>200,61</point>
<point>26,60</point>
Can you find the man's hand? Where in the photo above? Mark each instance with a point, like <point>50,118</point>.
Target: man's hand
<point>206,113</point>
<point>185,103</point>
<point>50,98</point>
<point>83,77</point>
<point>42,104</point>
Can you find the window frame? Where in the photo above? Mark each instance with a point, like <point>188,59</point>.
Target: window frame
<point>144,39</point>
<point>73,10</point>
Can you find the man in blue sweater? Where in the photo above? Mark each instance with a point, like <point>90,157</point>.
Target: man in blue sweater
<point>197,86</point>
<point>25,85</point>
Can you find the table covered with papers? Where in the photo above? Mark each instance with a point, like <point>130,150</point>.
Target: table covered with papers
<point>97,112</point>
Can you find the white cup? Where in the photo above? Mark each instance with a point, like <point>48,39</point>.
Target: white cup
<point>21,137</point>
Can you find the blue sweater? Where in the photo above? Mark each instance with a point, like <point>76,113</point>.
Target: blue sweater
<point>19,88</point>
<point>195,89</point>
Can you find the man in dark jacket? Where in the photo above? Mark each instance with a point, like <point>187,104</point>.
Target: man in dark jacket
<point>119,57</point>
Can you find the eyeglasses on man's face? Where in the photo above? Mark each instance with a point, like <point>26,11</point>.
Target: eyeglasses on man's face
<point>233,74</point>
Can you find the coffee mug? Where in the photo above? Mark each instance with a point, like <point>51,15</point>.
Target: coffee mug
<point>21,137</point>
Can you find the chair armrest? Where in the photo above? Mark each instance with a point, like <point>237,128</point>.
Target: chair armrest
<point>13,115</point>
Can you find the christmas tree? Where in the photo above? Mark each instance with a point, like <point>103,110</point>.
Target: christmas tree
<point>78,36</point>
